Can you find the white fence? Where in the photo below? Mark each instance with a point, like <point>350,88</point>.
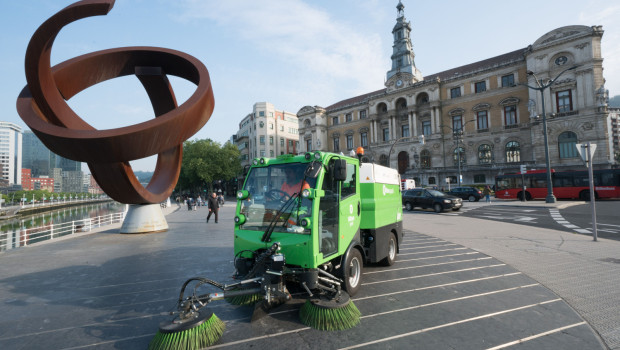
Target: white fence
<point>23,237</point>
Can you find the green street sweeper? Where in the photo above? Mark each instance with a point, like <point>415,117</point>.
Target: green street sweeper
<point>304,227</point>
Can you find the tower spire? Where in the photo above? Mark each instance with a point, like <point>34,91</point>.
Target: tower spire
<point>403,63</point>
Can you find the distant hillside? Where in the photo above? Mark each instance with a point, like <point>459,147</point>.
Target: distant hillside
<point>144,176</point>
<point>614,101</point>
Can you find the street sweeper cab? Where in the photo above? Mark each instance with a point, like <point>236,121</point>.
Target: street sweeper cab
<point>304,226</point>
<point>326,211</point>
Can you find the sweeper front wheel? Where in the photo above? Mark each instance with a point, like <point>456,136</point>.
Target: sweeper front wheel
<point>351,272</point>
<point>197,331</point>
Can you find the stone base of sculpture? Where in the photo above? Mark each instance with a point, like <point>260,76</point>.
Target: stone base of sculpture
<point>144,218</point>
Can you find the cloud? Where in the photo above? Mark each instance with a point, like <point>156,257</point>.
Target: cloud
<point>297,34</point>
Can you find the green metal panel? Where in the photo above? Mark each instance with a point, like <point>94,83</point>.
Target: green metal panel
<point>381,205</point>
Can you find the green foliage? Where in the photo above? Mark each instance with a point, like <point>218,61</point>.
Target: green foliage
<point>205,161</point>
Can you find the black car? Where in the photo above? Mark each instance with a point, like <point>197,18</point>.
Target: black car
<point>469,193</point>
<point>427,198</point>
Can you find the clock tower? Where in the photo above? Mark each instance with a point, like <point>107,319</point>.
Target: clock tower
<point>404,71</point>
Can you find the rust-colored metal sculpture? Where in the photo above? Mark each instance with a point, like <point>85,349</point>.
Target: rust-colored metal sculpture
<point>42,105</point>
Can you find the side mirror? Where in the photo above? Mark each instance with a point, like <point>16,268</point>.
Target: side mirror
<point>340,169</point>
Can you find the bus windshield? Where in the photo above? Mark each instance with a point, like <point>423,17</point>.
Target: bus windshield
<point>274,188</point>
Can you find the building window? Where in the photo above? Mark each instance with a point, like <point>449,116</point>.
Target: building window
<point>459,155</point>
<point>383,160</point>
<point>349,117</point>
<point>513,152</point>
<point>479,179</point>
<point>455,92</point>
<point>349,142</point>
<point>261,114</point>
<point>363,114</point>
<point>484,154</point>
<point>364,139</point>
<point>262,152</point>
<point>281,142</point>
<point>308,145</point>
<point>386,134</point>
<point>508,80</point>
<point>482,120</point>
<point>432,181</point>
<point>480,86</point>
<point>564,101</point>
<point>426,127</point>
<point>262,140</point>
<point>425,159</point>
<point>335,121</point>
<point>336,144</point>
<point>271,140</point>
<point>510,115</point>
<point>405,130</point>
<point>271,153</point>
<point>457,123</point>
<point>567,142</point>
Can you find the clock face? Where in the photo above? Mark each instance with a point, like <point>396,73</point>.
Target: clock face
<point>560,61</point>
<point>399,82</point>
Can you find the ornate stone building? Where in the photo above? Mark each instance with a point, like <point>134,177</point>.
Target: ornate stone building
<point>267,132</point>
<point>478,120</point>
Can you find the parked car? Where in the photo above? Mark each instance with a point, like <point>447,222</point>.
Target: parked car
<point>470,193</point>
<point>430,199</point>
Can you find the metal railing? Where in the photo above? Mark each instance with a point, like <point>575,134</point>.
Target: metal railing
<point>22,237</point>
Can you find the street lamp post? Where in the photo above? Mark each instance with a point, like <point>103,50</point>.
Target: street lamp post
<point>458,134</point>
<point>541,87</point>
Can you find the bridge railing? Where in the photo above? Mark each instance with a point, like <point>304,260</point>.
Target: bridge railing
<point>22,237</point>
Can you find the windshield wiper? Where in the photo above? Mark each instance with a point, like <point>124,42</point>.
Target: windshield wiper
<point>272,224</point>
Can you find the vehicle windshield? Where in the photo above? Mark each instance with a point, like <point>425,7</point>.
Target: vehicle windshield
<point>436,193</point>
<point>270,188</point>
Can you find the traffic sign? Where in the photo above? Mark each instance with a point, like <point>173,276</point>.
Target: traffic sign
<point>586,151</point>
<point>523,169</point>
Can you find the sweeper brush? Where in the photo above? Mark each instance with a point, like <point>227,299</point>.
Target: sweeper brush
<point>196,331</point>
<point>330,315</point>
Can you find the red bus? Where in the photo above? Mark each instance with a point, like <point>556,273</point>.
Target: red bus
<point>566,184</point>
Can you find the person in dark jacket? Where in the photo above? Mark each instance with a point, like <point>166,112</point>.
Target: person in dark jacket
<point>213,207</point>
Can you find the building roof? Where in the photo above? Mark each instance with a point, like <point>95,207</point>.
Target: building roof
<point>516,55</point>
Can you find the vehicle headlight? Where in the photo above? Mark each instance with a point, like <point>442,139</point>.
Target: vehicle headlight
<point>243,194</point>
<point>240,219</point>
<point>305,223</point>
<point>447,201</point>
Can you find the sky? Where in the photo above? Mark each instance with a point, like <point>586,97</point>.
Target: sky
<point>291,53</point>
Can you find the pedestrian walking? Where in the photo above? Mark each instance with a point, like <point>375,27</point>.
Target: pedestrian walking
<point>487,194</point>
<point>213,206</point>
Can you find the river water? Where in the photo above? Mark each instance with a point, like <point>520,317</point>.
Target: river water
<point>16,227</point>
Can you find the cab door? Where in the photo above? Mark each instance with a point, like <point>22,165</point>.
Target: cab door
<point>339,210</point>
<point>350,206</point>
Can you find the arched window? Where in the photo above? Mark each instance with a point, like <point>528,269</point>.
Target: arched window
<point>566,143</point>
<point>307,122</point>
<point>485,155</point>
<point>425,159</point>
<point>459,154</point>
<point>383,160</point>
<point>513,152</point>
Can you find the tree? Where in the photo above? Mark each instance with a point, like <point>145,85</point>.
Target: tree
<point>205,161</point>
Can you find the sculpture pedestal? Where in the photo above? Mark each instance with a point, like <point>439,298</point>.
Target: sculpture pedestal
<point>144,218</point>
